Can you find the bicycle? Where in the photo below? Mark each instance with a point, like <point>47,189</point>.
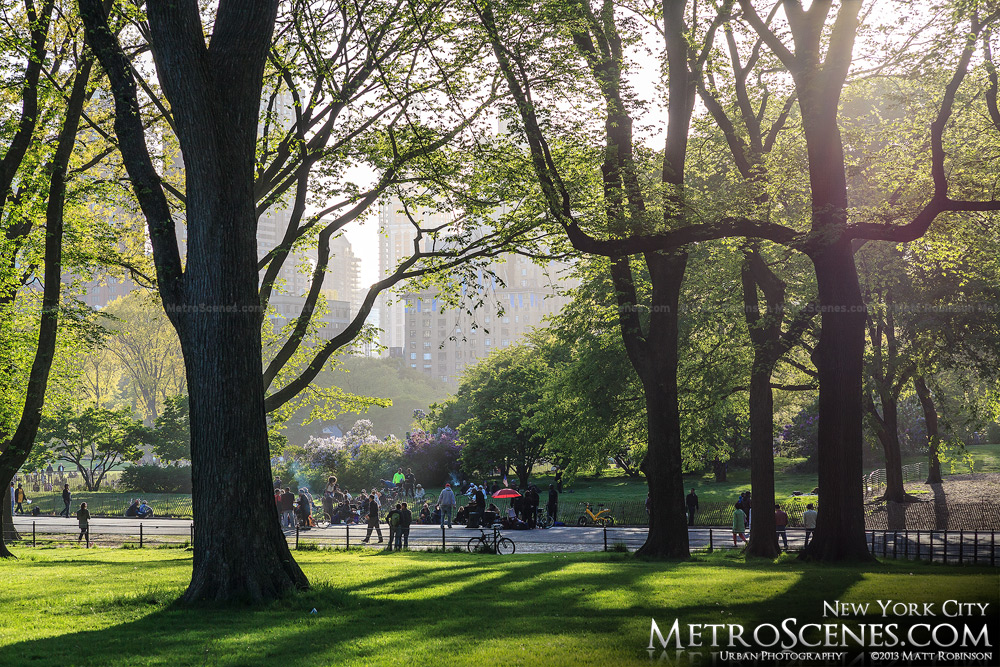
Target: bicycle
<point>543,519</point>
<point>602,518</point>
<point>499,545</point>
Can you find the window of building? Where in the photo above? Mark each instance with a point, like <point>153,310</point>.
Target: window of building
<point>524,272</point>
<point>504,343</point>
<point>413,333</point>
<point>427,333</point>
<point>487,320</point>
<point>427,323</point>
<point>524,283</point>
<point>413,345</point>
<point>427,356</point>
<point>487,342</point>
<point>413,365</point>
<point>506,320</point>
<point>427,345</point>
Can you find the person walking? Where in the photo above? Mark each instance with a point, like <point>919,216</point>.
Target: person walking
<point>19,498</point>
<point>67,499</point>
<point>780,524</point>
<point>739,525</point>
<point>809,521</point>
<point>392,518</point>
<point>373,510</point>
<point>398,478</point>
<point>403,529</point>
<point>83,516</point>
<point>692,505</point>
<point>447,502</point>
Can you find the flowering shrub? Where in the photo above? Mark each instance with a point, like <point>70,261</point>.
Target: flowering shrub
<point>358,459</point>
<point>799,438</point>
<point>432,456</point>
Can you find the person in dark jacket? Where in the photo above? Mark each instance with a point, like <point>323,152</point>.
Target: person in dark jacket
<point>373,510</point>
<point>552,507</point>
<point>403,529</point>
<point>288,507</point>
<point>67,499</point>
<point>83,516</point>
<point>531,500</point>
<point>393,518</point>
<point>692,505</point>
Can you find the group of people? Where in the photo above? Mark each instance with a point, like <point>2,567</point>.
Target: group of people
<point>742,514</point>
<point>137,508</point>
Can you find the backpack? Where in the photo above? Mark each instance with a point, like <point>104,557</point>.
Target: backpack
<point>394,519</point>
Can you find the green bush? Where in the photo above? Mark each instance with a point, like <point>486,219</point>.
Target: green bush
<point>154,479</point>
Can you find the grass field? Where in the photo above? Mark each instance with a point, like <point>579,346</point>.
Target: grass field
<point>119,607</point>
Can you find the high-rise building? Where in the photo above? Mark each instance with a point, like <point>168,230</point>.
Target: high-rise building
<point>395,245</point>
<point>441,342</point>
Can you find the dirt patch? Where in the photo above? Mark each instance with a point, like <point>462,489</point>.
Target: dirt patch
<point>961,502</point>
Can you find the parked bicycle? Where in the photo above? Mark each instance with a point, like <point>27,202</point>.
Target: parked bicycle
<point>601,518</point>
<point>498,544</point>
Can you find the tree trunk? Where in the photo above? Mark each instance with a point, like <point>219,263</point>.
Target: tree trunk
<point>241,551</point>
<point>888,435</point>
<point>719,470</point>
<point>668,530</point>
<point>763,537</point>
<point>931,421</point>
<point>8,533</point>
<point>839,360</point>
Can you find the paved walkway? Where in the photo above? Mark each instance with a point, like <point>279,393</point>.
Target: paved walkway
<point>562,539</point>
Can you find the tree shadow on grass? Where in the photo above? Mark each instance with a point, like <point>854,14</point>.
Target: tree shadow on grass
<point>437,608</point>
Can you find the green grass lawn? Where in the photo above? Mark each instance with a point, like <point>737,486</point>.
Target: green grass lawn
<point>119,607</point>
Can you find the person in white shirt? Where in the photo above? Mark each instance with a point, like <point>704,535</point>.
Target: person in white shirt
<point>809,521</point>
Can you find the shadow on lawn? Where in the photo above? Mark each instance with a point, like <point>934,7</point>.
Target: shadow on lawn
<point>441,605</point>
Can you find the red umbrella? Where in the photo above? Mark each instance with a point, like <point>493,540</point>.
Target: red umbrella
<point>506,493</point>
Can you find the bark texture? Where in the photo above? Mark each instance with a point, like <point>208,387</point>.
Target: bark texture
<point>214,92</point>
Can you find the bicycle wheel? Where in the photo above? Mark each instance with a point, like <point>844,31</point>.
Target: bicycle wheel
<point>505,546</point>
<point>545,520</point>
<point>474,544</point>
<point>582,521</point>
<point>608,521</point>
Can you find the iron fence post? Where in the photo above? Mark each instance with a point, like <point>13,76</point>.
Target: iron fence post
<point>192,533</point>
<point>32,533</point>
<point>140,535</point>
<point>605,526</point>
<point>296,537</point>
<point>444,541</point>
<point>711,547</point>
<point>347,527</point>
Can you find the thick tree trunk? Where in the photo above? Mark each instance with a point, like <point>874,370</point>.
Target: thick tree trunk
<point>763,538</point>
<point>241,551</point>
<point>839,360</point>
<point>719,470</point>
<point>931,421</point>
<point>668,530</point>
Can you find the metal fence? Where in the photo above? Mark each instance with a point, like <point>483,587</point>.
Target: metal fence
<point>874,482</point>
<point>948,547</point>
